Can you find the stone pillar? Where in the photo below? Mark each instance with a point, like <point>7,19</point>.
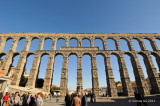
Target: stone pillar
<point>49,73</point>
<point>111,86</point>
<point>64,77</point>
<point>142,45</point>
<point>67,43</point>
<point>27,45</point>
<point>92,43</point>
<point>117,45</point>
<point>154,45</point>
<point>139,76</point>
<point>95,83</point>
<point>34,71</point>
<point>104,45</point>
<point>14,44</point>
<point>158,62</point>
<point>79,76</point>
<point>7,63</point>
<point>79,43</point>
<point>126,83</point>
<point>2,44</point>
<point>54,45</point>
<point>20,68</point>
<point>41,44</point>
<point>131,48</point>
<point>152,75</point>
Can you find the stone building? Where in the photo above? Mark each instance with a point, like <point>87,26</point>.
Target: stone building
<point>79,51</point>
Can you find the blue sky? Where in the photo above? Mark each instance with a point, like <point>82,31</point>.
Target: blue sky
<point>80,16</point>
<point>83,16</point>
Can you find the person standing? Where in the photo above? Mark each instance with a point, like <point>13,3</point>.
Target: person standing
<point>24,99</point>
<point>68,100</point>
<point>76,101</point>
<point>32,101</point>
<point>91,96</point>
<point>84,100</point>
<point>39,100</point>
<point>16,99</point>
<point>1,96</point>
<point>138,97</point>
<point>5,99</point>
<point>50,96</point>
<point>28,98</point>
<point>94,97</point>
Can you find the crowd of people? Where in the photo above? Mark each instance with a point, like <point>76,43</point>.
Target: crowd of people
<point>28,99</point>
<point>79,100</point>
<point>15,99</point>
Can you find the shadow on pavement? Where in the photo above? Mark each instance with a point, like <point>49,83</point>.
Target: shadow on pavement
<point>149,101</point>
<point>62,104</point>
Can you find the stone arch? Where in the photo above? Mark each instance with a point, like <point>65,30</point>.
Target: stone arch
<point>48,42</point>
<point>8,44</point>
<point>21,44</point>
<point>101,68</point>
<point>136,44</point>
<point>72,71</point>
<point>111,44</point>
<point>86,70</point>
<point>148,44</point>
<point>99,43</point>
<point>114,57</point>
<point>124,44</point>
<point>42,70</point>
<point>73,41</point>
<point>26,70</point>
<point>73,53</point>
<point>58,65</point>
<point>2,55</point>
<point>124,77</point>
<point>86,42</point>
<point>62,41</point>
<point>157,59</point>
<point>157,42</point>
<point>35,42</point>
<point>152,74</point>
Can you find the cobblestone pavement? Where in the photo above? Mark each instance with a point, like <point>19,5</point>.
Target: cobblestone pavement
<point>151,101</point>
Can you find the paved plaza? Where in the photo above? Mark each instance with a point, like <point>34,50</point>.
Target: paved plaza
<point>103,101</point>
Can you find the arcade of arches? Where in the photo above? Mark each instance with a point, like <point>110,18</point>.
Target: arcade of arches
<point>79,50</point>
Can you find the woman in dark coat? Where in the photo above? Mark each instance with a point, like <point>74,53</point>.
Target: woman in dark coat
<point>32,102</point>
<point>68,100</point>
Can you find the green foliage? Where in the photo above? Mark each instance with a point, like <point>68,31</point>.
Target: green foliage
<point>55,88</point>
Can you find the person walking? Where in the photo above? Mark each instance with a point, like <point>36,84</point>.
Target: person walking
<point>138,97</point>
<point>16,99</point>
<point>68,100</point>
<point>24,99</point>
<point>1,96</point>
<point>76,101</point>
<point>32,102</point>
<point>91,96</point>
<point>5,99</point>
<point>39,100</point>
<point>28,98</point>
<point>94,97</point>
<point>84,100</point>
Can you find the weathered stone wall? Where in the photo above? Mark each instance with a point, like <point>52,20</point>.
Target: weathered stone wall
<point>80,51</point>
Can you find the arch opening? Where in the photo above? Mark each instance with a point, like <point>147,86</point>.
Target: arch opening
<point>98,43</point>
<point>48,44</point>
<point>42,71</point>
<point>34,44</point>
<point>21,44</point>
<point>111,44</point>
